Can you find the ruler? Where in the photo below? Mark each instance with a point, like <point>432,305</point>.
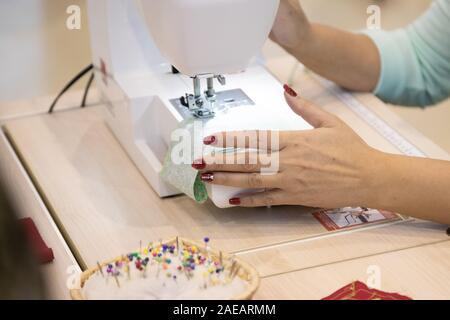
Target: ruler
<point>373,120</point>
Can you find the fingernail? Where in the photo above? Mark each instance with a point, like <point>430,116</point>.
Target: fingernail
<point>209,140</point>
<point>199,164</point>
<point>207,177</point>
<point>290,91</point>
<point>235,201</point>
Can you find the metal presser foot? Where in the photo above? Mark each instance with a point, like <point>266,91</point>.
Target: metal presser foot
<point>202,104</point>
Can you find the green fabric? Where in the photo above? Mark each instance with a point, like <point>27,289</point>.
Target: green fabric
<point>182,176</point>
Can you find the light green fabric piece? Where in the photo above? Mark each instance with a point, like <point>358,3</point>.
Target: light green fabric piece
<point>181,175</point>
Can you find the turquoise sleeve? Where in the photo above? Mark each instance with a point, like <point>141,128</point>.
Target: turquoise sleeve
<point>415,61</point>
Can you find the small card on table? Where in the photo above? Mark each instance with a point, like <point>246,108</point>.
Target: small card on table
<point>338,219</point>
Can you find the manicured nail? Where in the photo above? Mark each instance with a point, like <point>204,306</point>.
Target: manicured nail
<point>235,201</point>
<point>199,164</point>
<point>209,140</point>
<point>207,177</point>
<point>290,91</point>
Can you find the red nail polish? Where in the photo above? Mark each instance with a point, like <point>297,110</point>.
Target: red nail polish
<point>207,177</point>
<point>235,201</point>
<point>199,164</point>
<point>209,140</point>
<point>290,91</point>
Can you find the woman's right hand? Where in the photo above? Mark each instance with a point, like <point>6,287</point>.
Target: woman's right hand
<point>291,25</point>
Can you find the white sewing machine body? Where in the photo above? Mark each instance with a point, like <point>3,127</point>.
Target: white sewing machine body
<point>144,95</point>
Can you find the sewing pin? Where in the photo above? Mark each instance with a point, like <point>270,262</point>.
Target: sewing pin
<point>117,280</point>
<point>100,269</point>
<point>232,268</point>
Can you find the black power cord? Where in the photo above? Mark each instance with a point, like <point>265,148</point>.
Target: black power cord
<point>71,83</point>
<point>86,90</point>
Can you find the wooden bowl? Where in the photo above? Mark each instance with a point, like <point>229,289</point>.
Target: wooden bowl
<point>245,271</point>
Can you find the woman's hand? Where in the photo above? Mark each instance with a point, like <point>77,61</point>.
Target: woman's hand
<point>291,25</point>
<point>328,167</point>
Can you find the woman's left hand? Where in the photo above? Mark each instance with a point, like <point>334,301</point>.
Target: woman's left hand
<point>327,167</point>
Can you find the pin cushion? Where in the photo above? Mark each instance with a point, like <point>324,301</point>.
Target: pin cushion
<point>172,270</point>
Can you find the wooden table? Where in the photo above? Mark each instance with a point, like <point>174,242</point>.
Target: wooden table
<point>28,200</point>
<point>91,203</point>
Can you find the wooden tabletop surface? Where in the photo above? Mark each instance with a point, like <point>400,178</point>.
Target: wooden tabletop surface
<point>97,205</point>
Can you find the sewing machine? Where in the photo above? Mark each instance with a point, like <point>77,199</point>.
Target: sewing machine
<point>160,62</point>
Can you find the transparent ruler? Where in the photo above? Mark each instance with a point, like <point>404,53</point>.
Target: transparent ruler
<point>373,120</point>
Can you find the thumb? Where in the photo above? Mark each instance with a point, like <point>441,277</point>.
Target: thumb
<point>312,114</point>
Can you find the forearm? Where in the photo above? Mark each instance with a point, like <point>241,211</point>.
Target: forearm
<point>412,186</point>
<point>351,60</point>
